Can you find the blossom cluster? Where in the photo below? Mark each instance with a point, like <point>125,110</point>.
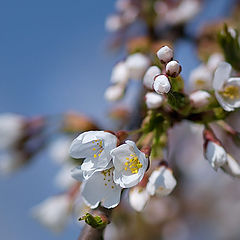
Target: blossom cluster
<point>109,167</point>
<point>165,13</point>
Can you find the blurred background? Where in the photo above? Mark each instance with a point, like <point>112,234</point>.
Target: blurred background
<point>54,58</point>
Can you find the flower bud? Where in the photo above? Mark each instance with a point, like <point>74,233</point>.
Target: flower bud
<point>165,54</point>
<point>114,93</point>
<point>199,98</point>
<point>137,64</point>
<point>153,100</point>
<point>213,151</point>
<point>161,84</point>
<point>161,182</point>
<point>173,68</point>
<point>138,198</point>
<point>119,73</point>
<point>148,78</point>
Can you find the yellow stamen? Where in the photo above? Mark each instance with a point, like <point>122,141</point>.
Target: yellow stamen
<point>232,92</point>
<point>133,163</point>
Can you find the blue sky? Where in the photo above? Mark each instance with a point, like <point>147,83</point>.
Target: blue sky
<point>53,58</point>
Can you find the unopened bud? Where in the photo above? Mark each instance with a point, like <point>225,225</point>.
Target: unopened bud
<point>165,54</point>
<point>148,79</point>
<point>199,98</point>
<point>173,68</point>
<point>161,84</point>
<point>153,100</point>
<point>161,182</point>
<point>146,150</point>
<point>213,150</point>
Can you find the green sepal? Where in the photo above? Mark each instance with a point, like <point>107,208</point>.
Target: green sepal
<point>179,102</point>
<point>93,221</point>
<point>177,84</point>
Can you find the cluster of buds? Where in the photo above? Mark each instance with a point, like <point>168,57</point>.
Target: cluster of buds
<point>158,81</point>
<point>133,67</point>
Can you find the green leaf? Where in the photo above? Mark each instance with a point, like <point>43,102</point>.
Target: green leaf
<point>230,46</point>
<point>179,102</point>
<point>94,221</point>
<point>177,84</point>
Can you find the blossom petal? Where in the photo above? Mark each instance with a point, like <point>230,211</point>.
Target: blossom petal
<point>231,167</point>
<point>216,155</point>
<point>101,188</point>
<point>225,105</point>
<point>221,75</point>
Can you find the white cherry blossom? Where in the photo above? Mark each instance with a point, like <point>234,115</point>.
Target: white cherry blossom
<point>161,182</point>
<point>100,188</point>
<point>200,78</point>
<point>227,89</point>
<point>95,147</point>
<point>54,212</point>
<point>138,198</point>
<point>130,164</point>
